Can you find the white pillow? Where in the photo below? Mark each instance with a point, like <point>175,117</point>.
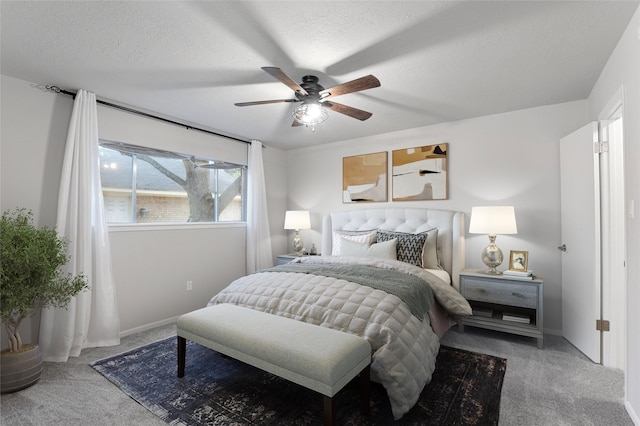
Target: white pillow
<point>385,250</point>
<point>366,237</point>
<point>441,273</point>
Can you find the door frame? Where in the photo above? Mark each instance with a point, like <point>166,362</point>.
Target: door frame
<point>614,270</point>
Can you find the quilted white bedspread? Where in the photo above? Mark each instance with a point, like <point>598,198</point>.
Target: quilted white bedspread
<point>404,347</point>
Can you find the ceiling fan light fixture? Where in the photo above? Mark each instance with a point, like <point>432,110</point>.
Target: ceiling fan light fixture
<point>310,114</point>
<point>312,111</point>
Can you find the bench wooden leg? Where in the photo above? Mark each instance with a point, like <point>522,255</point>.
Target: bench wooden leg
<point>329,411</point>
<point>182,354</point>
<point>365,390</point>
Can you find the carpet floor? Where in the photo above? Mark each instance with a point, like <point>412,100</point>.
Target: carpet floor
<point>465,390</point>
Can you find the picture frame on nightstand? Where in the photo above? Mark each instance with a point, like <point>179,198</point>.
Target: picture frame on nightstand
<point>518,260</point>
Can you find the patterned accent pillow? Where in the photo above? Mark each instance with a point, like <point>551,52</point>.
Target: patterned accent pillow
<point>410,248</point>
<point>362,237</point>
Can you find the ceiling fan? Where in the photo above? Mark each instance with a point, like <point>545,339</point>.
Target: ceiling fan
<point>315,98</point>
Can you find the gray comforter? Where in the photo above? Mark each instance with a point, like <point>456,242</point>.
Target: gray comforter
<point>409,288</point>
<point>404,345</point>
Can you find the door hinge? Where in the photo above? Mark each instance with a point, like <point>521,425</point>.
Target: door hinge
<point>600,147</point>
<point>602,325</point>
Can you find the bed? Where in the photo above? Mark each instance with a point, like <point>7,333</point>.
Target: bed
<point>390,275</point>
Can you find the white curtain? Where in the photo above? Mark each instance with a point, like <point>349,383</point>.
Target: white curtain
<point>92,316</point>
<point>258,235</point>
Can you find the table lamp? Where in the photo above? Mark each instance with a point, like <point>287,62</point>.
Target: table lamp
<point>493,220</point>
<point>297,220</point>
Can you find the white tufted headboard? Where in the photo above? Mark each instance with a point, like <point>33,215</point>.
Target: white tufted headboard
<point>450,224</point>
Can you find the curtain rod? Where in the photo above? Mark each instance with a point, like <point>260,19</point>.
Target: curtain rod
<point>58,90</point>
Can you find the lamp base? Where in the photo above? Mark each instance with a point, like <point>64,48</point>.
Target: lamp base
<point>297,244</point>
<point>492,256</point>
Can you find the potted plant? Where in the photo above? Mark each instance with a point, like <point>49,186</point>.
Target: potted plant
<point>31,277</point>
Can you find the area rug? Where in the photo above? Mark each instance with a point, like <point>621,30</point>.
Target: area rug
<point>216,390</point>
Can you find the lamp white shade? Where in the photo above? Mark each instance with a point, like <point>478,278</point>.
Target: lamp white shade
<point>297,219</point>
<point>493,220</point>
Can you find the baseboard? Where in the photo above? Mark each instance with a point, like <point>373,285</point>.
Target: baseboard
<point>146,327</point>
<point>632,413</point>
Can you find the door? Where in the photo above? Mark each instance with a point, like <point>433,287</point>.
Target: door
<point>117,208</point>
<point>580,222</point>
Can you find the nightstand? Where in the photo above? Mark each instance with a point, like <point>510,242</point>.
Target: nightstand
<point>285,258</point>
<point>503,303</point>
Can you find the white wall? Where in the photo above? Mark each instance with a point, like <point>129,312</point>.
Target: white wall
<point>623,71</point>
<point>33,133</point>
<point>121,126</point>
<point>151,267</point>
<point>504,159</point>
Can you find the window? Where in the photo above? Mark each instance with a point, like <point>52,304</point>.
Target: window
<point>144,185</point>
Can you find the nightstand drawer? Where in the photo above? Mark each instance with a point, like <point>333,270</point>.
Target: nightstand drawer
<point>508,293</point>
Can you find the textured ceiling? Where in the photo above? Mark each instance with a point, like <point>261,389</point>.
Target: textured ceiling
<point>437,61</point>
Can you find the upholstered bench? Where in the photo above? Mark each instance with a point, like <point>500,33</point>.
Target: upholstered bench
<point>312,356</point>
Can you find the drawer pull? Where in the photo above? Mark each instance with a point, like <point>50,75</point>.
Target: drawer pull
<point>517,294</point>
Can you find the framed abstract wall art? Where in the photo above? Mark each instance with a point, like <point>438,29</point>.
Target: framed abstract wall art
<point>420,173</point>
<point>364,178</point>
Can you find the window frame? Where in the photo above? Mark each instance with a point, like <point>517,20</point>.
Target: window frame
<point>136,150</point>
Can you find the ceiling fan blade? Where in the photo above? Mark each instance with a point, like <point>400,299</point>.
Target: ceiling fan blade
<point>362,83</point>
<point>273,101</point>
<point>347,110</point>
<point>296,124</point>
<point>278,74</point>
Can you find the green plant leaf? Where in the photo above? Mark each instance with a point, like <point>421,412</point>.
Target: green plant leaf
<point>31,268</point>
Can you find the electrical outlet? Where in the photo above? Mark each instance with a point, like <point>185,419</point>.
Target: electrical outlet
<point>189,285</point>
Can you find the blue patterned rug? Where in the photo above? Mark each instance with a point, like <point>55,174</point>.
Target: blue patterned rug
<point>465,390</point>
